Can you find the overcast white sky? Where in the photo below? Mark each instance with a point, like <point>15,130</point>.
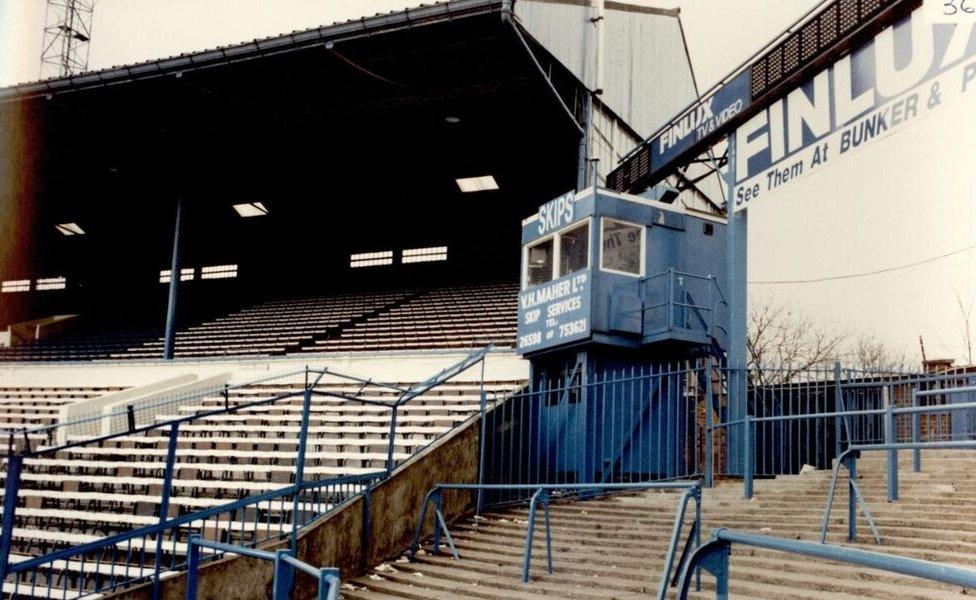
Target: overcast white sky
<point>906,198</point>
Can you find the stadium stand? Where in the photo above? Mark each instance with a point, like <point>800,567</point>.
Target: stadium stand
<point>273,327</point>
<point>445,317</point>
<point>614,547</point>
<point>92,342</point>
<point>437,318</point>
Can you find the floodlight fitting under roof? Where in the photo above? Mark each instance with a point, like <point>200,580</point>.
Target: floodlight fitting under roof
<point>251,209</point>
<point>69,229</point>
<point>477,184</point>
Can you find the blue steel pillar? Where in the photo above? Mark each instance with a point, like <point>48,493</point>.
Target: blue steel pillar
<point>167,487</point>
<point>300,468</point>
<point>174,281</point>
<point>10,494</point>
<point>891,437</point>
<point>738,358</point>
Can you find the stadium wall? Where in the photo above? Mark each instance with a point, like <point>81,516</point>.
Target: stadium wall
<point>388,366</point>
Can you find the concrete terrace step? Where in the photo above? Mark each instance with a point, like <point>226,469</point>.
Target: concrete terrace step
<point>614,547</point>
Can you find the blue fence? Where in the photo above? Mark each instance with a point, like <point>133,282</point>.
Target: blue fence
<point>172,489</point>
<point>670,422</point>
<point>626,427</point>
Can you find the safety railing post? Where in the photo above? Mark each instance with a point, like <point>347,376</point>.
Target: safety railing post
<point>481,441</point>
<point>851,465</point>
<point>328,584</point>
<point>11,490</point>
<point>838,407</point>
<point>436,499</point>
<point>541,495</point>
<point>192,567</point>
<point>284,575</point>
<point>390,463</point>
<point>174,434</point>
<point>892,465</point>
<point>709,432</point>
<point>748,456</point>
<point>916,434</point>
<point>365,532</point>
<point>300,465</point>
<point>712,557</point>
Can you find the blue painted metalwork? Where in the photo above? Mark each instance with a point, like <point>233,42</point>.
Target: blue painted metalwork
<point>143,553</point>
<point>670,290</point>
<point>891,437</point>
<point>542,495</point>
<point>851,455</point>
<point>167,487</point>
<point>855,499</point>
<point>839,406</point>
<point>233,514</point>
<point>748,456</point>
<point>483,415</point>
<point>170,339</point>
<point>709,427</point>
<point>284,566</point>
<point>916,435</point>
<point>11,484</point>
<point>714,558</point>
<point>736,265</point>
<point>300,455</point>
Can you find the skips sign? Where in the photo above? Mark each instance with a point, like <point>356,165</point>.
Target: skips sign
<point>906,72</point>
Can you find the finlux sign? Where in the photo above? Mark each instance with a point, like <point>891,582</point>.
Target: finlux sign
<point>701,120</point>
<point>908,70</point>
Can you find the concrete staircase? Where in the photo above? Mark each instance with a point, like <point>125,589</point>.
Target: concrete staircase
<point>614,547</point>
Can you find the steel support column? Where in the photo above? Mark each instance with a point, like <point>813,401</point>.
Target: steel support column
<point>738,357</point>
<point>10,493</point>
<point>174,433</point>
<point>174,281</point>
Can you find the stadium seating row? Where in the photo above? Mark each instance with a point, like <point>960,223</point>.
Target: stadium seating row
<point>447,317</point>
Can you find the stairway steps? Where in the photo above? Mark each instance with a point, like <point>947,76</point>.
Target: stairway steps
<point>613,547</point>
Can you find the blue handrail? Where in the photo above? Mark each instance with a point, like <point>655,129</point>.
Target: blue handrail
<point>848,460</point>
<point>240,518</point>
<point>542,494</point>
<point>284,566</point>
<point>714,558</point>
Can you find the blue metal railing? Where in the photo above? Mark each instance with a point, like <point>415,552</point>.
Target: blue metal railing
<point>848,460</point>
<point>76,564</point>
<point>284,561</point>
<point>543,494</point>
<point>791,423</point>
<point>713,557</point>
<point>142,554</point>
<point>671,301</point>
<point>625,426</point>
<point>888,417</point>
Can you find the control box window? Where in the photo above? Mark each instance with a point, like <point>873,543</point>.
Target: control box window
<point>574,250</point>
<point>540,262</point>
<point>623,247</point>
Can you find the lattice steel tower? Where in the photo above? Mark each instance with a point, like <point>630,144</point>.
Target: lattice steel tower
<point>67,32</point>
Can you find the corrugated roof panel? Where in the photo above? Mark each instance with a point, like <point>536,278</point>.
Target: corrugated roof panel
<point>647,77</point>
